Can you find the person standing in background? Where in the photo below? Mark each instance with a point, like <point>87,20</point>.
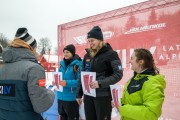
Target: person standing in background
<point>143,94</point>
<point>23,95</point>
<point>70,67</point>
<point>1,49</point>
<point>100,58</point>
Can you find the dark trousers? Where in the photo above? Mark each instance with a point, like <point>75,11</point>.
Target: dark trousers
<point>97,108</point>
<point>68,110</point>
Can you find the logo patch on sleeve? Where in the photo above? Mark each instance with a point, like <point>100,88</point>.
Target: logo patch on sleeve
<point>42,82</point>
<point>7,90</point>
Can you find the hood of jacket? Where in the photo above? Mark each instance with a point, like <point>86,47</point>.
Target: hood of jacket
<point>77,57</point>
<point>105,48</point>
<point>11,54</point>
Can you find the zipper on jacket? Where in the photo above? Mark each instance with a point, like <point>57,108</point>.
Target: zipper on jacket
<point>125,94</point>
<point>67,69</point>
<point>65,72</point>
<point>71,90</point>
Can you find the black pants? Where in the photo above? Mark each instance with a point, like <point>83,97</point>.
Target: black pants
<point>68,110</point>
<point>97,108</point>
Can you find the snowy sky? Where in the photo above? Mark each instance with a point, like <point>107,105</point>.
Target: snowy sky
<point>41,17</point>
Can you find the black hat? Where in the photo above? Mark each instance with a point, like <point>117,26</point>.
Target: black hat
<point>22,33</point>
<point>95,32</point>
<point>70,48</point>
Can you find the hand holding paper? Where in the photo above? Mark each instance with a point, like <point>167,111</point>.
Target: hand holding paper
<point>53,83</point>
<point>79,100</point>
<point>117,105</point>
<point>94,84</point>
<point>63,83</point>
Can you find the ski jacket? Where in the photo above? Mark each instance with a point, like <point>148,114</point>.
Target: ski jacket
<point>21,97</point>
<point>143,97</point>
<point>71,74</point>
<point>107,66</point>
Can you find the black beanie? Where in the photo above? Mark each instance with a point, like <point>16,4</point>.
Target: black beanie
<point>95,32</point>
<point>22,33</point>
<point>70,48</point>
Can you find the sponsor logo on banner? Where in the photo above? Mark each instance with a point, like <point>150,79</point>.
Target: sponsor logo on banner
<point>163,52</point>
<point>146,28</point>
<point>83,38</point>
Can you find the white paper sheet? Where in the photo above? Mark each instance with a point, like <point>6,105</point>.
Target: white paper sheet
<point>86,79</point>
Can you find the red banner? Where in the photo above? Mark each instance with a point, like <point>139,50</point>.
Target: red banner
<point>157,29</point>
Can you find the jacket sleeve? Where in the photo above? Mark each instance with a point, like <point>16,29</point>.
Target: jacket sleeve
<point>116,66</point>
<point>79,90</point>
<point>153,97</point>
<point>74,83</point>
<point>41,98</point>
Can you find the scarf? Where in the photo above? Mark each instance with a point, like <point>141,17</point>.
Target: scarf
<point>17,43</point>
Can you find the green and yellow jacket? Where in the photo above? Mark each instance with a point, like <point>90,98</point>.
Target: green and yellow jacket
<point>143,97</point>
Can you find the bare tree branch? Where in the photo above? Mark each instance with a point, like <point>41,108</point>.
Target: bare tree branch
<point>44,45</point>
<point>3,40</point>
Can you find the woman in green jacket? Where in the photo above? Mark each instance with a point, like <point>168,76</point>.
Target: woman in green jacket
<point>143,94</point>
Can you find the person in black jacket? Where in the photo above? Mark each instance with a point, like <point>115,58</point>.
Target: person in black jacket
<point>100,58</point>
